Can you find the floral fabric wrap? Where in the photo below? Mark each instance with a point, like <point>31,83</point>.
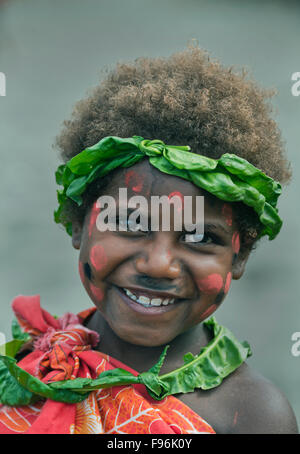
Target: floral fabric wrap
<point>63,350</point>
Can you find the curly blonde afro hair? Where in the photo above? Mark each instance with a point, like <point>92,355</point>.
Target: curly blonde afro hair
<point>186,99</point>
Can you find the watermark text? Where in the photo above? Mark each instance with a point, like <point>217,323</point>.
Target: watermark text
<point>2,84</point>
<point>296,86</point>
<point>295,350</point>
<point>133,214</point>
<point>2,343</point>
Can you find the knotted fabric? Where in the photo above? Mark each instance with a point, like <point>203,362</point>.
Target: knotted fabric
<point>62,349</point>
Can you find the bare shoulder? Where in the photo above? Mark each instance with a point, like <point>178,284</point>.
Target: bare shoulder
<point>259,406</point>
<point>245,403</point>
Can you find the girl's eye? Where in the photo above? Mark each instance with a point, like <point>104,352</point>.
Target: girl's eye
<point>130,226</point>
<point>197,239</point>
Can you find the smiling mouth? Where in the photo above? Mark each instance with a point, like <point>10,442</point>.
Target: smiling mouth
<point>149,300</point>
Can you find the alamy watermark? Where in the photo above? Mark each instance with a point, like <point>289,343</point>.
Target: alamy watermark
<point>2,343</point>
<point>295,350</point>
<point>133,214</point>
<point>2,84</point>
<point>296,86</point>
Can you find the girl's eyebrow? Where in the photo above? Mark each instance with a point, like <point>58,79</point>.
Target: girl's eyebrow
<point>216,226</point>
<point>212,226</point>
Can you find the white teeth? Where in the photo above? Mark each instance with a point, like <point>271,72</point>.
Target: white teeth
<point>156,302</point>
<point>146,301</point>
<point>131,295</point>
<point>143,300</point>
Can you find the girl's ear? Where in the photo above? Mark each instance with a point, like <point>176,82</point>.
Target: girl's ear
<point>76,234</point>
<point>239,263</point>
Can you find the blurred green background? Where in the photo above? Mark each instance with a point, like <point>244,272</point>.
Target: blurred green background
<point>52,52</point>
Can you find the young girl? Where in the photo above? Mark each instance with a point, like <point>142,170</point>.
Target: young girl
<point>187,127</point>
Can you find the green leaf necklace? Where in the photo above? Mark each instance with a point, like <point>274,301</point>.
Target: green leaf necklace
<point>222,355</point>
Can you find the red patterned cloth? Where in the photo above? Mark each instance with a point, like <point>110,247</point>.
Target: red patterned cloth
<point>62,350</point>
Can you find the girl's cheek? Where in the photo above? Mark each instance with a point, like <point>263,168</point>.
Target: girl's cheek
<point>98,257</point>
<point>97,292</point>
<point>209,311</point>
<point>85,272</point>
<point>86,277</point>
<point>214,284</point>
<point>93,217</point>
<point>211,284</point>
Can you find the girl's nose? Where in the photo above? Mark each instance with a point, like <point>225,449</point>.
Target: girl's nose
<point>158,261</point>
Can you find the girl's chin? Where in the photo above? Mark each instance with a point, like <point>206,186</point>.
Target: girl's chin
<point>143,339</point>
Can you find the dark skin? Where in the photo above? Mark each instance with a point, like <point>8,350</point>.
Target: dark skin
<point>197,275</point>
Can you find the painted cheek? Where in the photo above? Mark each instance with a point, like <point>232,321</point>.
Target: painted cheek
<point>227,213</point>
<point>209,311</point>
<point>211,284</point>
<point>236,242</point>
<point>94,213</point>
<point>96,292</point>
<point>227,282</point>
<point>98,257</point>
<point>87,271</point>
<point>134,181</point>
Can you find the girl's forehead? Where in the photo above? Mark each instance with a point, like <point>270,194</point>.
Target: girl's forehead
<point>144,179</point>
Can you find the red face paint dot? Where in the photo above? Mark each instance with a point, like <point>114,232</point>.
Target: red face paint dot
<point>177,194</point>
<point>96,292</point>
<point>94,213</point>
<point>209,311</point>
<point>227,282</point>
<point>227,213</point>
<point>81,272</point>
<point>211,284</point>
<point>98,257</point>
<point>134,181</point>
<point>236,242</point>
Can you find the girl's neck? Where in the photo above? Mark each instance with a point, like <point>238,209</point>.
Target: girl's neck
<point>141,358</point>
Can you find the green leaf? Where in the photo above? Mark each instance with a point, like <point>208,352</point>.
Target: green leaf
<point>11,392</point>
<point>69,228</point>
<point>230,178</point>
<point>12,347</point>
<point>33,385</point>
<point>107,148</point>
<point>252,175</point>
<point>154,385</point>
<point>217,360</point>
<point>17,332</point>
<point>114,377</point>
<point>189,161</point>
<point>59,174</point>
<point>162,164</point>
<point>156,368</point>
<point>188,357</point>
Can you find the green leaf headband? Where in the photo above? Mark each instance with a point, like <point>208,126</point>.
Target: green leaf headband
<point>230,178</point>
